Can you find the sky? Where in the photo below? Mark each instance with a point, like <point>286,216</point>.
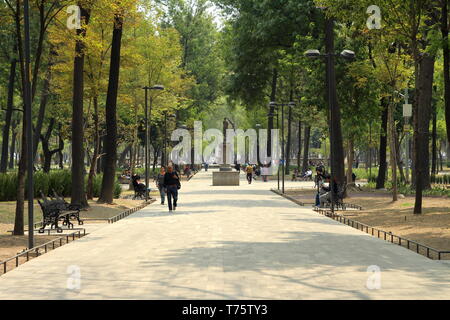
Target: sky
<point>216,12</point>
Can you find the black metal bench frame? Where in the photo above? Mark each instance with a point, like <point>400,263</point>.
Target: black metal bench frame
<point>56,210</point>
<point>338,198</point>
<point>138,192</point>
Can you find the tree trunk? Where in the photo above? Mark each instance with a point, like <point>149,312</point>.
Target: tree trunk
<point>337,148</point>
<point>109,172</point>
<point>19,218</point>
<point>12,149</point>
<point>21,172</point>
<point>398,144</point>
<point>299,154</point>
<point>393,150</point>
<point>273,97</point>
<point>95,156</point>
<point>383,146</point>
<point>289,140</point>
<point>446,54</point>
<point>44,99</point>
<point>78,193</point>
<point>306,148</point>
<point>8,116</point>
<point>350,158</point>
<point>45,146</point>
<point>434,169</point>
<point>421,134</point>
<point>155,157</point>
<point>48,154</point>
<point>123,156</point>
<point>60,152</point>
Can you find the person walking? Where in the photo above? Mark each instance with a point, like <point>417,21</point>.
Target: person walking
<point>265,172</point>
<point>160,184</point>
<point>249,171</point>
<point>172,184</point>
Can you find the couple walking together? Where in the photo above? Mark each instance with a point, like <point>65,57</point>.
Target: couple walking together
<point>168,183</point>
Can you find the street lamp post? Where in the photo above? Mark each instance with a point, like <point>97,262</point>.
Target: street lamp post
<point>334,111</point>
<point>407,114</point>
<point>148,115</point>
<point>271,114</point>
<point>258,126</point>
<point>29,129</point>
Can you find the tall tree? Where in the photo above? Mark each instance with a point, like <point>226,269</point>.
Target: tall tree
<point>446,53</point>
<point>78,196</point>
<point>306,148</point>
<point>422,131</point>
<point>109,171</point>
<point>8,116</point>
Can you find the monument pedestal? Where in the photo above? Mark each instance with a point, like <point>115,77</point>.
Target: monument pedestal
<point>226,178</point>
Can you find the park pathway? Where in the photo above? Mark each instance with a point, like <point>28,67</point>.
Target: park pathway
<point>227,243</point>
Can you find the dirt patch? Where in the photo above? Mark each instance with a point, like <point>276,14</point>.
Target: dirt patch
<point>431,228</point>
<point>12,245</point>
<point>106,211</point>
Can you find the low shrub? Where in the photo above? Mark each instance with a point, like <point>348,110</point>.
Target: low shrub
<point>57,180</point>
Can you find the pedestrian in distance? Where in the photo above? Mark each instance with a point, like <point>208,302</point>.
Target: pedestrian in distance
<point>265,171</point>
<point>172,185</point>
<point>249,171</point>
<point>160,184</point>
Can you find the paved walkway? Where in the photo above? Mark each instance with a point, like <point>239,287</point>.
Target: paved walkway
<point>228,243</point>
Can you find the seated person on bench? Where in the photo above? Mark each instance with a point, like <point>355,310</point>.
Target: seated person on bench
<point>295,175</point>
<point>325,191</point>
<point>138,186</point>
<point>307,174</point>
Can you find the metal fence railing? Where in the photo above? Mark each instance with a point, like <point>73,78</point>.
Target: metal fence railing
<point>41,249</point>
<point>300,203</point>
<point>128,212</point>
<point>387,236</point>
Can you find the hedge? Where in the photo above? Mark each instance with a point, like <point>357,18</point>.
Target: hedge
<point>441,179</point>
<point>58,180</point>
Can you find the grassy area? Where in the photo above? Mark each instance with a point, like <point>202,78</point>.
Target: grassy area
<point>8,212</point>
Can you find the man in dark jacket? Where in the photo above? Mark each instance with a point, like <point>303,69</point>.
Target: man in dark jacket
<point>172,184</point>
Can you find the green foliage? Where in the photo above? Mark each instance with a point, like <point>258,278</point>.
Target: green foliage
<point>8,186</point>
<point>362,173</point>
<point>440,179</point>
<point>256,37</point>
<point>407,190</point>
<point>202,58</point>
<point>58,180</point>
<point>97,186</point>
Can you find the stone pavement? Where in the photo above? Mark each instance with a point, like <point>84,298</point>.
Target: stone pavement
<point>227,243</point>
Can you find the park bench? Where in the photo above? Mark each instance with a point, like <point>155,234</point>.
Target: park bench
<point>139,193</point>
<point>56,210</point>
<point>338,198</point>
<point>72,210</point>
<point>304,178</point>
